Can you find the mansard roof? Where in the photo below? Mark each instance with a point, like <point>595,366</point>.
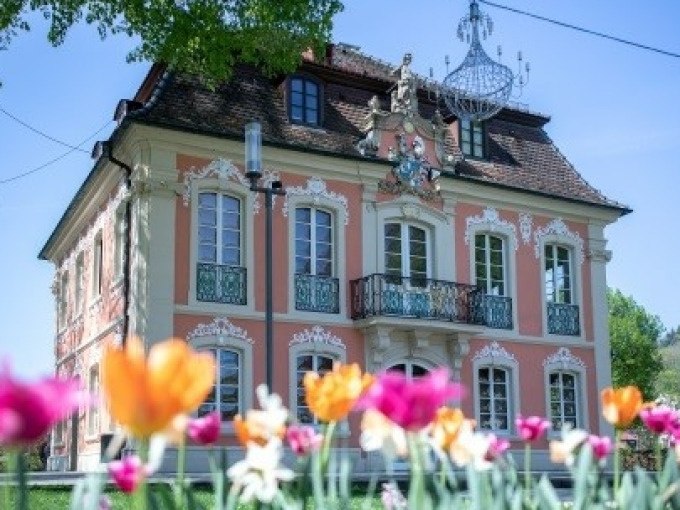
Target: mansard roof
<point>520,153</point>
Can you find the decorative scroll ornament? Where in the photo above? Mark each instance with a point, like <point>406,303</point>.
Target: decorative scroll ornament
<point>226,170</point>
<point>563,358</point>
<point>316,189</point>
<point>491,220</point>
<point>221,328</point>
<point>526,224</point>
<point>495,352</point>
<point>317,335</point>
<point>559,228</point>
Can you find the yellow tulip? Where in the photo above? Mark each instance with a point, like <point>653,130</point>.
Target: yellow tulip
<point>145,394</point>
<point>621,406</point>
<point>332,396</point>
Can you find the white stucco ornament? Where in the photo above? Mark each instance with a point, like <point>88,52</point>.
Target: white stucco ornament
<point>317,335</point>
<point>563,358</point>
<point>221,328</point>
<point>494,351</point>
<point>492,221</point>
<point>526,224</point>
<point>316,189</point>
<point>557,227</point>
<point>221,168</point>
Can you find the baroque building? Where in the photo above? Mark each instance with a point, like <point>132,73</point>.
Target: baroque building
<point>407,239</point>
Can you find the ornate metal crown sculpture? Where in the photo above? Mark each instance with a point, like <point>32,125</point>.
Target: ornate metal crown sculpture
<point>479,87</point>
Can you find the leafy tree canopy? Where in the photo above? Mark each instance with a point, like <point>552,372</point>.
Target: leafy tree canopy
<point>205,37</point>
<point>634,333</point>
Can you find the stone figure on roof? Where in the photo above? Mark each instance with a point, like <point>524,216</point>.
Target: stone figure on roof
<point>404,98</point>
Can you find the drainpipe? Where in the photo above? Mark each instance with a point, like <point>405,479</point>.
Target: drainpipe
<point>128,238</point>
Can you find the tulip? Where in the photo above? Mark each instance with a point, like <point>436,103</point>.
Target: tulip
<point>447,426</point>
<point>260,425</point>
<point>205,430</point>
<point>410,403</point>
<point>29,410</point>
<point>659,419</point>
<point>601,446</point>
<point>497,447</point>
<point>532,428</point>
<point>562,452</point>
<point>621,406</point>
<point>127,473</point>
<point>303,439</point>
<point>379,433</point>
<point>332,396</point>
<point>146,394</point>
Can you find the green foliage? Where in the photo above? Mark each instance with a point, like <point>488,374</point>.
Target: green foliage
<point>634,333</point>
<point>203,37</point>
<point>668,381</point>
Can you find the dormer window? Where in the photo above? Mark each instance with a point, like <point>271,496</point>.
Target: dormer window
<point>472,135</point>
<point>304,101</point>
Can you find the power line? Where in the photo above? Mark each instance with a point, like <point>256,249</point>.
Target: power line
<point>581,29</point>
<point>44,165</point>
<point>41,133</point>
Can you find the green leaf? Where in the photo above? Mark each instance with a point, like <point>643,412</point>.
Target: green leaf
<point>547,497</point>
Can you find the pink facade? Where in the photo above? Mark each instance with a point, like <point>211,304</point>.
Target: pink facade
<point>375,262</point>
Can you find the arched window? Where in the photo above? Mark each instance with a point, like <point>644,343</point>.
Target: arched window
<point>493,386</point>
<point>565,402</point>
<point>309,362</point>
<point>225,395</point>
<point>304,103</point>
<point>411,369</point>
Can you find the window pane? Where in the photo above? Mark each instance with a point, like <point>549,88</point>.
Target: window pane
<point>303,265</point>
<point>323,268</point>
<point>207,200</point>
<point>296,99</point>
<point>303,231</point>
<point>305,363</point>
<point>207,253</point>
<point>311,103</point>
<point>303,248</point>
<point>311,88</point>
<point>207,216</point>
<point>312,117</point>
<point>393,230</point>
<point>231,256</point>
<point>296,85</point>
<point>296,112</point>
<point>231,238</point>
<point>323,218</point>
<point>303,214</point>
<point>323,234</point>
<point>393,245</point>
<point>323,251</point>
<point>416,234</point>
<point>324,364</point>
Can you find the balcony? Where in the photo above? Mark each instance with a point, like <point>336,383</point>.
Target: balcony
<point>317,293</point>
<point>563,319</point>
<point>492,311</point>
<point>216,283</point>
<point>422,298</point>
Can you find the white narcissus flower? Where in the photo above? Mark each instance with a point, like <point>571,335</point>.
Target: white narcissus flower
<point>472,448</point>
<point>258,475</point>
<point>379,433</point>
<point>562,452</point>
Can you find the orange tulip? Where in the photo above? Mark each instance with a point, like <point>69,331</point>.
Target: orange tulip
<point>332,396</point>
<point>621,406</point>
<point>253,430</point>
<point>146,394</point>
<point>447,426</point>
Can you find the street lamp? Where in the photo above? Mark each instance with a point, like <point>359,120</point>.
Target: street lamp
<point>254,174</point>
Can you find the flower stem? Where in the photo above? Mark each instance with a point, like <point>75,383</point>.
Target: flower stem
<point>141,497</point>
<point>617,462</point>
<point>326,447</point>
<point>416,491</point>
<point>181,463</point>
<point>657,456</point>
<point>19,464</point>
<point>527,468</point>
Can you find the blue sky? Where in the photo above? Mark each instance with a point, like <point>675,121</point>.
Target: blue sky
<point>614,113</point>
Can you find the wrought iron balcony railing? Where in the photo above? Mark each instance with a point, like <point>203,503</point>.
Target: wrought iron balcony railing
<point>217,283</point>
<point>424,298</point>
<point>493,311</point>
<point>317,293</point>
<point>563,319</point>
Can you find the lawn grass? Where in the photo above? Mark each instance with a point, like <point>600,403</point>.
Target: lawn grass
<point>58,498</point>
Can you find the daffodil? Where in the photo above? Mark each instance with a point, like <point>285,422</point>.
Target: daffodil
<point>563,452</point>
<point>621,406</point>
<point>332,396</point>
<point>145,394</point>
<point>260,425</point>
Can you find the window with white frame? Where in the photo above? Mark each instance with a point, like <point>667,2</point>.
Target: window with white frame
<point>97,265</point>
<point>309,362</point>
<point>558,274</point>
<point>490,269</point>
<point>472,138</point>
<point>494,393</point>
<point>225,395</point>
<point>119,242</point>
<point>564,400</point>
<point>93,411</point>
<point>316,288</point>
<point>410,369</point>
<point>78,296</point>
<point>63,299</point>
<point>220,275</point>
<point>406,253</point>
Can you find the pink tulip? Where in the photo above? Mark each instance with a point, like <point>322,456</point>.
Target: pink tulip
<point>531,428</point>
<point>205,430</point>
<point>659,419</point>
<point>29,411</point>
<point>602,446</point>
<point>128,473</point>
<point>410,403</point>
<point>303,439</point>
<point>497,447</point>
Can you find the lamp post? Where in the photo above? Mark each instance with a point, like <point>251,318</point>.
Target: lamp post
<point>254,174</point>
